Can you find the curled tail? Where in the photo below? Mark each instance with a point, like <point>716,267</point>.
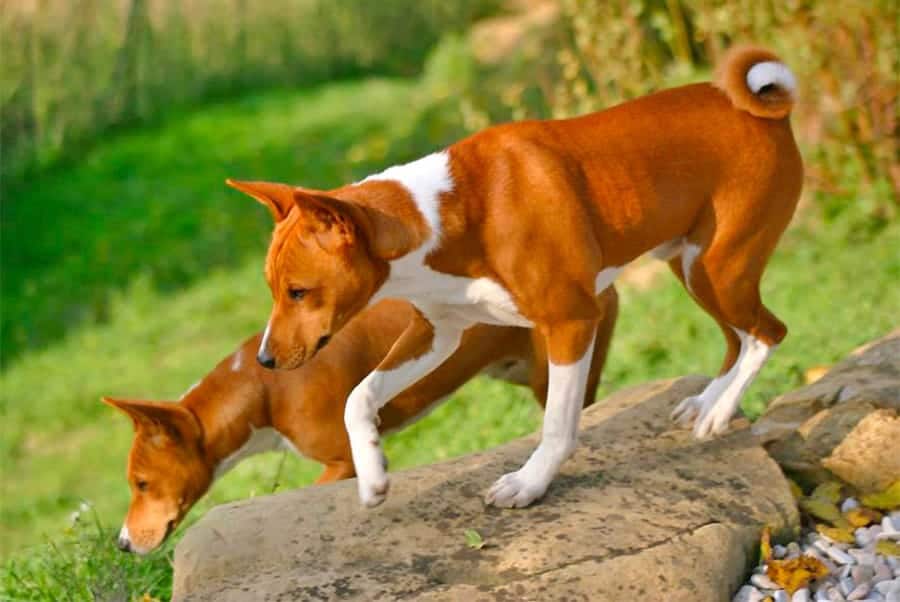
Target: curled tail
<point>756,81</point>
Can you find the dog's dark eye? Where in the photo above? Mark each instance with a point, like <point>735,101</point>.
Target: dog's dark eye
<point>297,293</point>
<point>141,485</point>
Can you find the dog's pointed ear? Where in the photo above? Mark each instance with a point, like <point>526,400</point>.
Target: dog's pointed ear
<point>337,223</point>
<point>172,419</point>
<point>279,198</point>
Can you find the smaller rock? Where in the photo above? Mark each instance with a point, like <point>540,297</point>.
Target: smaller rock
<point>763,582</point>
<point>801,595</point>
<point>849,504</point>
<point>859,592</point>
<point>782,596</point>
<point>748,593</point>
<point>862,573</point>
<point>840,556</point>
<point>779,551</point>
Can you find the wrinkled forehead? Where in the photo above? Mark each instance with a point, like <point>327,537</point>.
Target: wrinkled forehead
<point>155,451</point>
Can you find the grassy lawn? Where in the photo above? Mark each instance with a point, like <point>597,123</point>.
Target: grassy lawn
<point>152,272</point>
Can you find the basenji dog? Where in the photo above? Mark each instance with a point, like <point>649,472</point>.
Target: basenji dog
<point>524,224</point>
<point>240,408</point>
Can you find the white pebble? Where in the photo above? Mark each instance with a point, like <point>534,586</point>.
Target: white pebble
<point>793,550</point>
<point>862,573</point>
<point>779,551</point>
<point>823,544</point>
<point>862,556</point>
<point>763,582</point>
<point>801,595</point>
<point>846,585</point>
<point>748,593</point>
<point>888,530</point>
<point>882,572</point>
<point>849,504</point>
<point>883,587</point>
<point>782,596</point>
<point>859,592</point>
<point>835,595</point>
<point>845,571</point>
<point>840,556</point>
<point>862,537</point>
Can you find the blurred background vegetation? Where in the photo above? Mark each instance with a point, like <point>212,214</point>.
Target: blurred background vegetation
<point>129,269</point>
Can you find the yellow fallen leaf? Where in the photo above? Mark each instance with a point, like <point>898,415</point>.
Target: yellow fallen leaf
<point>822,510</point>
<point>836,534</point>
<point>829,491</point>
<point>796,491</point>
<point>888,547</point>
<point>889,499</point>
<point>795,573</point>
<point>862,517</point>
<point>768,599</point>
<point>765,544</point>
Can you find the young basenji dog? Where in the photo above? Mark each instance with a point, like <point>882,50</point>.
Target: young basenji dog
<point>525,224</point>
<point>240,408</point>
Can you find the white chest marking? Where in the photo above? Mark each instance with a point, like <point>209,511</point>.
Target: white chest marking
<point>688,257</point>
<point>260,440</point>
<point>237,360</point>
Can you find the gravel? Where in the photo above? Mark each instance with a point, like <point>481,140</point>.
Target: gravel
<point>856,571</point>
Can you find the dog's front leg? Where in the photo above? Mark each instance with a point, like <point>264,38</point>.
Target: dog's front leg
<point>570,347</point>
<point>422,347</point>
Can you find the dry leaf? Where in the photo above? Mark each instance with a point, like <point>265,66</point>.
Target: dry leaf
<point>796,491</point>
<point>889,499</point>
<point>795,573</point>
<point>862,517</point>
<point>829,491</point>
<point>836,534</point>
<point>765,544</point>
<point>888,547</point>
<point>822,510</point>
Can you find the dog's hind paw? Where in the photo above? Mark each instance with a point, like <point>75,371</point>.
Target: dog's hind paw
<point>513,490</point>
<point>687,411</point>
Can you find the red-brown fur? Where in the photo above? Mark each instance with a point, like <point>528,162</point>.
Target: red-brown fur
<point>177,446</point>
<point>542,207</point>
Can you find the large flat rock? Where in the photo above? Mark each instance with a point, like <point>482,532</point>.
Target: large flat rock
<point>641,512</point>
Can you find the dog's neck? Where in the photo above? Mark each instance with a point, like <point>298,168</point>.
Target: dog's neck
<point>231,404</point>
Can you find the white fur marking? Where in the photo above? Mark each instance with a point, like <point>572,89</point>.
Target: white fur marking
<point>668,250</point>
<point>260,440</point>
<point>605,278</point>
<point>689,255</point>
<point>768,73</point>
<point>425,179</point>
<point>565,397</point>
<point>263,344</point>
<point>191,388</point>
<point>375,390</point>
<point>718,402</point>
<point>237,360</point>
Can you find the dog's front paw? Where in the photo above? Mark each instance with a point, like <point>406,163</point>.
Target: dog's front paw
<point>514,490</point>
<point>372,479</point>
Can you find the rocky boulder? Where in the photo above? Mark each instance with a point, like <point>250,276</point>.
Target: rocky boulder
<point>641,512</point>
<point>845,424</point>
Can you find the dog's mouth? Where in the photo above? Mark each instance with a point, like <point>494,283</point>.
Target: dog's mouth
<point>323,340</point>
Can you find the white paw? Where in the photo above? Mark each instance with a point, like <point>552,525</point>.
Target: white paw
<point>372,479</point>
<point>686,411</point>
<point>713,420</point>
<point>515,490</point>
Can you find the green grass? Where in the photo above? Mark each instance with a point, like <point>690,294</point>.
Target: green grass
<point>136,270</point>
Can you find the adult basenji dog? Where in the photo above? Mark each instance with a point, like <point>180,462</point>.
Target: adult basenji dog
<point>240,409</point>
<point>525,224</point>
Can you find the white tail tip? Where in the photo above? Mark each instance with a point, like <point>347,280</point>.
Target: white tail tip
<point>770,73</point>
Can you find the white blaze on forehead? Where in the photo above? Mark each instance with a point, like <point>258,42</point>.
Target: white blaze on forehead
<point>265,338</point>
<point>237,360</point>
<point>425,179</point>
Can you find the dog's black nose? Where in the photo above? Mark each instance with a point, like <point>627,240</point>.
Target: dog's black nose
<point>265,360</point>
<point>123,544</point>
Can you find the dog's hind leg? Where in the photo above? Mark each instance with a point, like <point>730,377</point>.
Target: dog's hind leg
<point>722,265</point>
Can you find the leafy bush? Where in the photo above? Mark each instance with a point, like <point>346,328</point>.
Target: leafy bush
<point>74,69</point>
<point>846,57</point>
